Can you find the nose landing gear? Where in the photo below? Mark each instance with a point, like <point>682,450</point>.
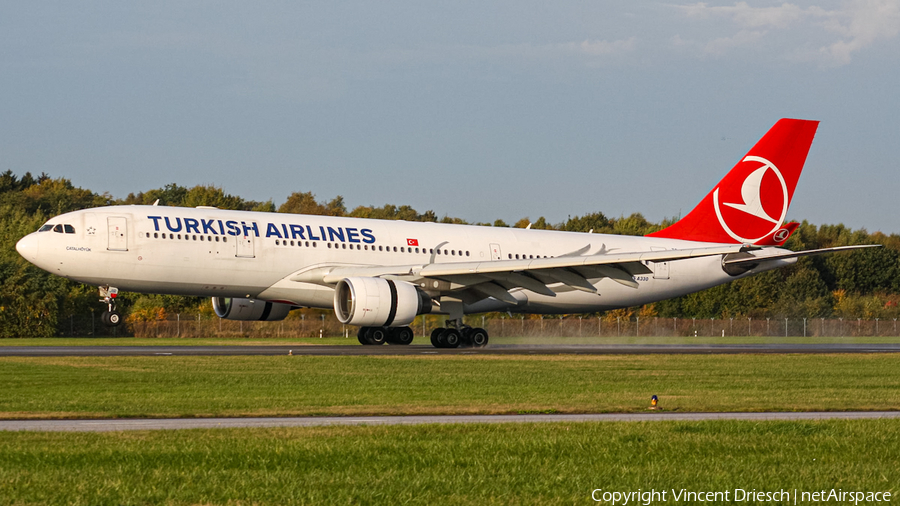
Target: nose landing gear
<point>110,317</point>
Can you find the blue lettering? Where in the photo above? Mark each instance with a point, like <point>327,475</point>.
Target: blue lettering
<point>171,228</point>
<point>247,228</point>
<point>311,236</point>
<point>272,230</point>
<point>221,228</point>
<point>233,228</point>
<point>155,222</point>
<point>297,231</point>
<point>367,233</point>
<point>332,233</point>
<point>191,223</point>
<point>208,226</point>
<point>284,227</point>
<point>352,235</point>
<point>322,229</point>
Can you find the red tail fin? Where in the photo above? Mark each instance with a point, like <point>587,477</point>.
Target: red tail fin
<point>750,203</point>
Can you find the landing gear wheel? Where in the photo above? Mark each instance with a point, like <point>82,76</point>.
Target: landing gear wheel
<point>436,340</point>
<point>478,338</point>
<point>114,318</point>
<point>111,318</point>
<point>361,336</point>
<point>450,338</point>
<point>401,335</point>
<point>464,337</point>
<point>376,335</point>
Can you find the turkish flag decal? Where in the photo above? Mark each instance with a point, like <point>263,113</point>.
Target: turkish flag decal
<point>412,242</point>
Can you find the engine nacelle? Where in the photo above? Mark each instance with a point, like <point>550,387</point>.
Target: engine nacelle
<point>249,309</point>
<point>377,302</point>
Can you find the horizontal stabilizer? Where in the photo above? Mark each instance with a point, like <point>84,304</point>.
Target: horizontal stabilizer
<point>792,254</point>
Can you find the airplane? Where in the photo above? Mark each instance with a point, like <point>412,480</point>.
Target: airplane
<point>380,274</point>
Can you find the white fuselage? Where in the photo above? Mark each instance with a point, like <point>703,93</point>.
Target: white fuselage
<point>222,253</point>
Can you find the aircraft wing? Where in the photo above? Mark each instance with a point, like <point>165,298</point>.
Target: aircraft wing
<point>495,278</point>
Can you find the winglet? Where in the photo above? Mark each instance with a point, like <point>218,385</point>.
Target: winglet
<point>750,203</point>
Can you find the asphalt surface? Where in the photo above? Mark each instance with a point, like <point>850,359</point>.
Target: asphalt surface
<point>113,425</point>
<point>500,349</point>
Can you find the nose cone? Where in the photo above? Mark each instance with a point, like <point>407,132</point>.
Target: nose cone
<point>28,247</point>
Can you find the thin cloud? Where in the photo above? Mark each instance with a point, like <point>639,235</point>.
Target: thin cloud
<point>751,17</point>
<point>743,38</point>
<point>863,24</point>
<point>856,25</point>
<point>603,47</point>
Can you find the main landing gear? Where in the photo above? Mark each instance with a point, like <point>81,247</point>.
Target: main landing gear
<point>453,336</point>
<point>457,334</point>
<point>381,335</point>
<point>110,317</point>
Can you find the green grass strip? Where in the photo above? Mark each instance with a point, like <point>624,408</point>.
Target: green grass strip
<point>454,464</point>
<point>179,386</point>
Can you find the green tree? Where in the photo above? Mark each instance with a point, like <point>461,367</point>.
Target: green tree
<point>635,224</point>
<point>305,203</point>
<point>211,196</point>
<point>597,222</point>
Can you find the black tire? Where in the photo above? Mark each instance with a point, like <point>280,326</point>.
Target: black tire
<point>114,318</point>
<point>451,338</point>
<point>478,338</point>
<point>464,339</point>
<point>104,318</point>
<point>361,336</point>
<point>436,338</point>
<point>402,336</point>
<point>377,335</point>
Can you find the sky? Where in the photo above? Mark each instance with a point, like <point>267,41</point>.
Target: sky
<point>472,109</point>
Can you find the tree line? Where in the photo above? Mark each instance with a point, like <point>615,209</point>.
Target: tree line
<point>34,303</point>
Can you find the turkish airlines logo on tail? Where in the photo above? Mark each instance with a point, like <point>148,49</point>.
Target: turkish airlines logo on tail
<point>759,208</point>
<point>781,235</point>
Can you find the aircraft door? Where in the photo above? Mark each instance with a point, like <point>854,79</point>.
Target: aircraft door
<point>118,233</point>
<point>660,269</point>
<point>495,252</point>
<point>244,246</point>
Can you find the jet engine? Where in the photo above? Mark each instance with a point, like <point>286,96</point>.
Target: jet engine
<point>377,302</point>
<point>249,309</point>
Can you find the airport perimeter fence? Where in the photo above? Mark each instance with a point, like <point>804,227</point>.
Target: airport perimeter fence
<point>317,326</point>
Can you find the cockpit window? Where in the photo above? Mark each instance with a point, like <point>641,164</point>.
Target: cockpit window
<point>45,228</point>
<point>58,229</point>
<point>69,229</point>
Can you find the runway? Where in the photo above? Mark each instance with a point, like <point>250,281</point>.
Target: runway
<point>112,425</point>
<point>500,349</point>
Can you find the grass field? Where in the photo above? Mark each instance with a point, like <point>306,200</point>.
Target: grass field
<point>178,386</point>
<point>455,464</point>
<point>560,463</point>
